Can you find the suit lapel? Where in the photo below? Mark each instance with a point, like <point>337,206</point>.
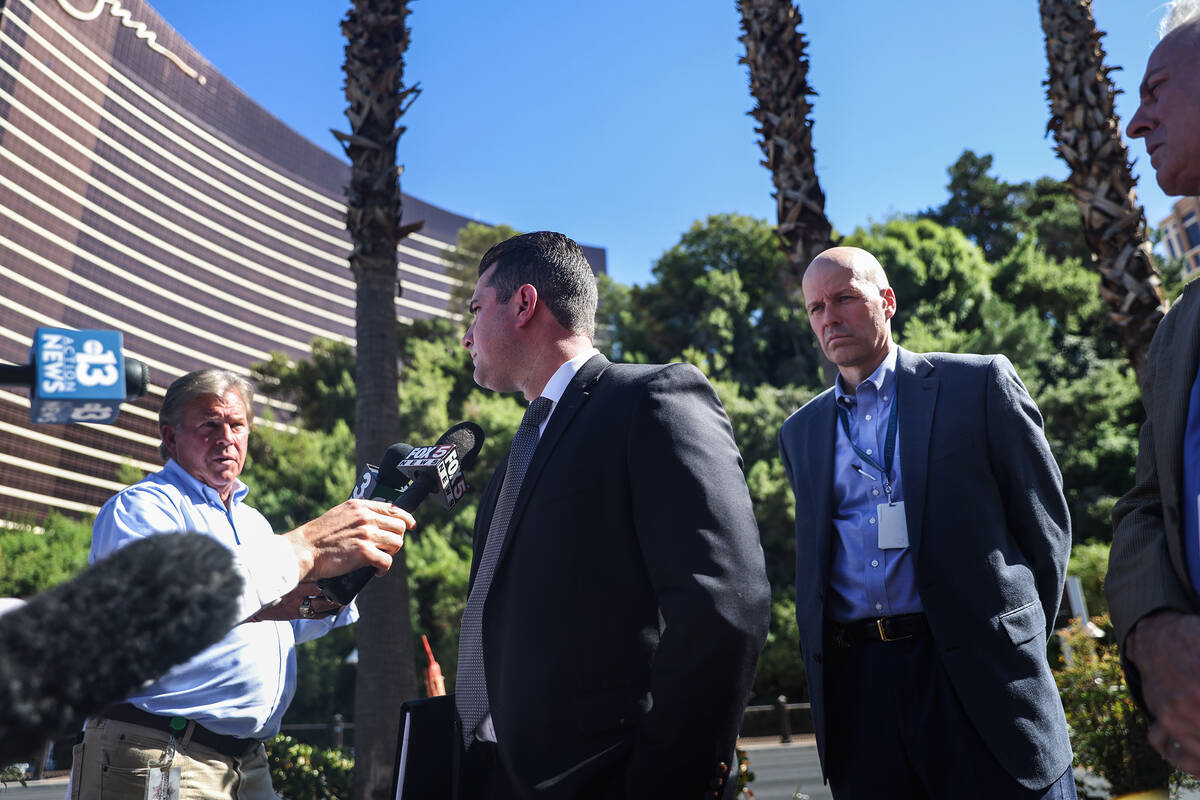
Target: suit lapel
<point>916,391</point>
<point>572,400</point>
<point>820,480</point>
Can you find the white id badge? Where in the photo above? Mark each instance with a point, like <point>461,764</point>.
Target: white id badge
<point>893,529</point>
<point>163,783</point>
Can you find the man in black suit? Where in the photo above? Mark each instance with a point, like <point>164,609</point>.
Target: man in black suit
<point>931,546</point>
<point>613,627</point>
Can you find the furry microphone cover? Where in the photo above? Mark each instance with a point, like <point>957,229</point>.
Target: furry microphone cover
<point>125,620</point>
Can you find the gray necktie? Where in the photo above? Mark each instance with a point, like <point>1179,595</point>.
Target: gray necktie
<point>470,692</point>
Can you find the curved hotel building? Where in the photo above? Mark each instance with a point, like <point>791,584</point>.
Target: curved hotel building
<point>141,191</point>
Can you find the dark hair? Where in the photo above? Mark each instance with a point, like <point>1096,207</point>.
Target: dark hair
<point>555,266</point>
<point>197,384</point>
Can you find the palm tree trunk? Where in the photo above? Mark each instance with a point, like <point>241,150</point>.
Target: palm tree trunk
<point>779,84</point>
<point>376,38</point>
<point>1088,136</point>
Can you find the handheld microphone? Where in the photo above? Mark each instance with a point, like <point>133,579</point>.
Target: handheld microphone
<point>384,483</point>
<point>418,472</point>
<point>77,376</point>
<point>74,649</point>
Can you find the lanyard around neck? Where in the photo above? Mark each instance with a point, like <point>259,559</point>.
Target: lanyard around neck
<point>889,443</point>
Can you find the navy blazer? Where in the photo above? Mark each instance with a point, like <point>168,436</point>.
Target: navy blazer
<point>624,621</point>
<point>990,536</point>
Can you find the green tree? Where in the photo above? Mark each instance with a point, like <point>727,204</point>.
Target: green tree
<point>1108,730</point>
<point>280,472</point>
<point>1064,291</point>
<point>34,559</point>
<point>462,261</point>
<point>324,680</point>
<point>1089,563</point>
<point>756,417</point>
<point>980,205</point>
<point>1046,208</point>
<point>300,771</point>
<point>321,386</point>
<point>997,215</point>
<point>1092,413</point>
<point>935,271</point>
<point>1031,232</point>
<point>438,576</point>
<point>718,293</point>
<point>615,317</point>
<point>781,665</point>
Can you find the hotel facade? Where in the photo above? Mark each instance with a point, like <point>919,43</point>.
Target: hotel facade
<point>142,191</point>
<point>1181,235</point>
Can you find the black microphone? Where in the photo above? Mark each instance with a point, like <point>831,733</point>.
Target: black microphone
<point>384,483</point>
<point>74,649</point>
<point>420,472</point>
<point>77,376</point>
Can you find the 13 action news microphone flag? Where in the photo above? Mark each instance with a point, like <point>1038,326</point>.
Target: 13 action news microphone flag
<point>77,376</point>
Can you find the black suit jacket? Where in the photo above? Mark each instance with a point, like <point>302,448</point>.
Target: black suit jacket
<point>990,536</point>
<point>630,602</point>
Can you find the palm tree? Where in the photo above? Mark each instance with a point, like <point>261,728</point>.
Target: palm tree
<point>779,84</point>
<point>1088,134</point>
<point>376,38</point>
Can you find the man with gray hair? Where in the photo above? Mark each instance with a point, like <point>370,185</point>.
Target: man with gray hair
<point>198,730</point>
<point>1154,566</point>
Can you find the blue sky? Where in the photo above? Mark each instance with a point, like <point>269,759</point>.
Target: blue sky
<point>621,123</point>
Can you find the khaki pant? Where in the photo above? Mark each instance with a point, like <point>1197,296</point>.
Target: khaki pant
<point>114,760</point>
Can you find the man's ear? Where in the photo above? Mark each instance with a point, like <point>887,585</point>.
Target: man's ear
<point>526,298</point>
<point>168,436</point>
<point>889,303</point>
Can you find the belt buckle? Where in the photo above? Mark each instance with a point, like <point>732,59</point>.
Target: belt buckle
<point>883,637</point>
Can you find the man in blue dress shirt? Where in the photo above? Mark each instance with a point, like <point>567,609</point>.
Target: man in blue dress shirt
<point>1154,567</point>
<point>932,538</point>
<point>198,730</point>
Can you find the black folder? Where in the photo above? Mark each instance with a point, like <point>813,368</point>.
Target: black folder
<point>426,750</point>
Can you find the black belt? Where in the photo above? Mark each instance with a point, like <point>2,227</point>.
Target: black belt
<point>881,629</point>
<point>231,746</point>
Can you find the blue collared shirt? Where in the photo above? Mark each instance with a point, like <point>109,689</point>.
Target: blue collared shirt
<point>1190,480</point>
<point>242,685</point>
<point>866,581</point>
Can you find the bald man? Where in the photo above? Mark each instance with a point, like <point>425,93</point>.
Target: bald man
<point>931,545</point>
<point>1153,582</point>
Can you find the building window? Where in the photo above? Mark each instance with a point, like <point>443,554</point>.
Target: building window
<point>1170,240</point>
<point>1192,228</point>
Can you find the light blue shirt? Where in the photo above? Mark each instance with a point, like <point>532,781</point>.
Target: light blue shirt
<point>867,581</point>
<point>242,685</point>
